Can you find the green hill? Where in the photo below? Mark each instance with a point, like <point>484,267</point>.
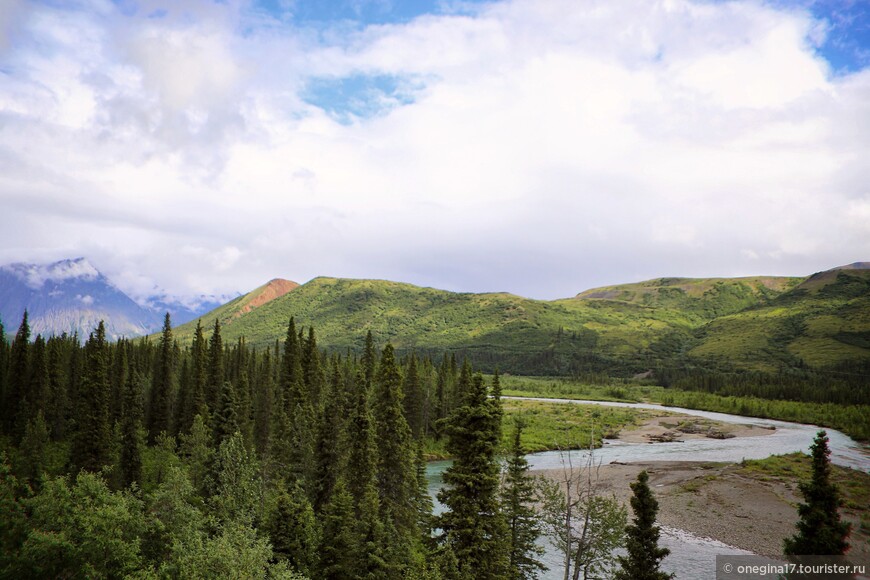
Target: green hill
<point>759,323</point>
<point>822,322</point>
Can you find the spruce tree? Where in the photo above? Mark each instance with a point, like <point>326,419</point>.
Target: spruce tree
<point>368,360</point>
<point>413,398</point>
<point>215,369</point>
<point>92,442</point>
<point>327,456</point>
<point>38,392</point>
<point>396,476</point>
<point>294,436</point>
<point>518,500</point>
<point>820,531</point>
<point>441,396</point>
<point>291,381</point>
<point>196,402</point>
<point>4,369</point>
<point>131,431</point>
<point>161,386</point>
<point>312,369</point>
<point>56,410</point>
<point>226,419</point>
<point>17,379</point>
<point>642,536</point>
<point>472,524</point>
<point>264,404</point>
<point>339,549</point>
<point>33,449</point>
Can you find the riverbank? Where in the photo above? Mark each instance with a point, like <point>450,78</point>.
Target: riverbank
<point>673,427</point>
<point>735,504</point>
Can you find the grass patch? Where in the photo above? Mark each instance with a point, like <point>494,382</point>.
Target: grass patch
<point>559,426</point>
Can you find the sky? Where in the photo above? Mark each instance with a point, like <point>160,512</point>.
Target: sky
<point>539,147</point>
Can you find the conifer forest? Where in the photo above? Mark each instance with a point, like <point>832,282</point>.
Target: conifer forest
<point>213,460</point>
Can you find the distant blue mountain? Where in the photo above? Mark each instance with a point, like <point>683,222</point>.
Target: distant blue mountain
<point>72,296</point>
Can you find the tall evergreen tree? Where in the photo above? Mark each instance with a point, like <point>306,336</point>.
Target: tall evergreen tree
<point>820,531</point>
<point>162,385</point>
<point>312,370</point>
<point>118,379</point>
<point>413,398</point>
<point>369,360</point>
<point>442,393</point>
<point>17,379</point>
<point>518,500</point>
<point>92,442</point>
<point>215,370</point>
<point>182,399</point>
<point>38,392</point>
<point>4,369</point>
<point>264,404</point>
<point>292,382</point>
<point>226,419</point>
<point>359,441</point>
<point>131,431</point>
<point>396,476</point>
<point>196,402</point>
<point>495,398</point>
<point>327,457</point>
<point>642,537</point>
<point>339,549</point>
<point>294,435</point>
<point>472,525</point>
<point>58,378</point>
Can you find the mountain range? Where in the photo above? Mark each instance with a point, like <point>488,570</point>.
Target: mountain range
<point>72,296</point>
<point>763,323</point>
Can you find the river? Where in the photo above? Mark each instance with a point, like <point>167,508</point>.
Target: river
<point>692,557</point>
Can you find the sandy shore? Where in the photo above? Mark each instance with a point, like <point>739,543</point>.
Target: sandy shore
<point>715,500</point>
<point>686,427</point>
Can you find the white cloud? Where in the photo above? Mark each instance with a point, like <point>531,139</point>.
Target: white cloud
<point>36,276</point>
<point>555,145</point>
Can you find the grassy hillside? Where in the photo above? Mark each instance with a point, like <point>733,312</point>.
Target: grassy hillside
<point>700,299</point>
<point>620,329</point>
<point>824,321</point>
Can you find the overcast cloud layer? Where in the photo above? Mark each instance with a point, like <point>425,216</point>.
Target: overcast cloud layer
<point>537,147</point>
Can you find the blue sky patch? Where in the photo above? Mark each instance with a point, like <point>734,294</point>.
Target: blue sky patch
<point>364,12</point>
<point>847,46</point>
<point>361,96</point>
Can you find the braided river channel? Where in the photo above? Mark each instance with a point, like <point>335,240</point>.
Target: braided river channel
<point>692,557</point>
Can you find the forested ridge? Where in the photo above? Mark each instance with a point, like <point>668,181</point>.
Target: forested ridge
<point>156,459</point>
<point>772,338</point>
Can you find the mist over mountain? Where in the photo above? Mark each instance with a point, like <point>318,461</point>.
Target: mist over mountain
<point>72,296</point>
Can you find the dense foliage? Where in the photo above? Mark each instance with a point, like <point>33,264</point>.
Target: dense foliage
<point>216,459</point>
